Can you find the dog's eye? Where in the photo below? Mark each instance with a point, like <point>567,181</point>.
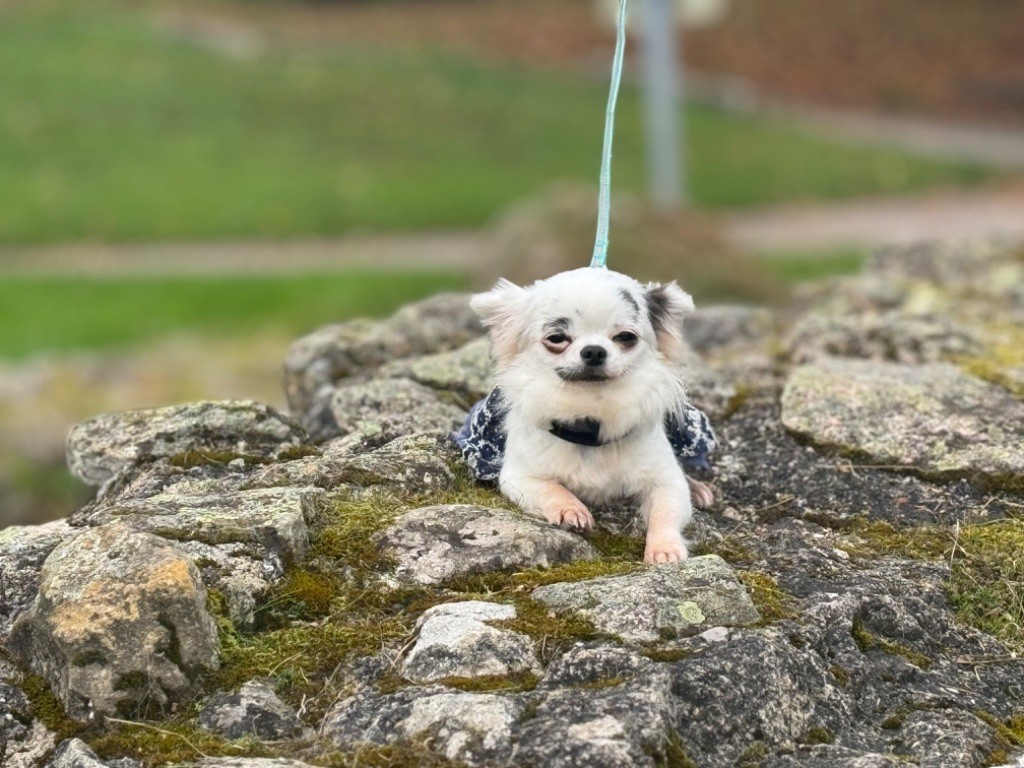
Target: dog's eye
<point>556,342</point>
<point>626,338</point>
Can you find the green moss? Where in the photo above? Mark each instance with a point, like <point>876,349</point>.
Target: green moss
<point>673,754</point>
<point>729,549</point>
<point>47,707</point>
<point>752,756</point>
<point>523,681</point>
<point>552,633</point>
<point>867,641</point>
<point>296,452</point>
<point>986,583</point>
<point>168,743</point>
<point>817,736</point>
<point>302,595</point>
<point>209,457</point>
<point>1009,736</point>
<point>842,677</point>
<point>1004,352</point>
<point>404,755</point>
<point>666,654</point>
<point>772,602</point>
<point>876,538</point>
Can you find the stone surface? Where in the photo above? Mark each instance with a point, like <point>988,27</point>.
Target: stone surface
<point>74,753</point>
<point>385,409</point>
<point>316,362</point>
<point>456,640</point>
<point>710,330</point>
<point>433,544</point>
<point>933,419</point>
<point>659,603</point>
<point>119,625</point>
<point>23,549</point>
<point>103,447</point>
<point>463,374</point>
<point>31,749</point>
<point>475,728</point>
<point>253,710</point>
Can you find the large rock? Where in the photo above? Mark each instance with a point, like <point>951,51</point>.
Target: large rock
<point>382,410</point>
<point>23,549</point>
<point>455,640</point>
<point>659,603</point>
<point>316,362</point>
<point>932,419</point>
<point>253,710</point>
<point>75,753</point>
<point>474,728</point>
<point>119,626</point>
<point>104,447</point>
<point>463,374</point>
<point>433,544</point>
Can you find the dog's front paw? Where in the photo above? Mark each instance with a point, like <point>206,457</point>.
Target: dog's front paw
<point>665,548</point>
<point>570,514</point>
<point>701,494</point>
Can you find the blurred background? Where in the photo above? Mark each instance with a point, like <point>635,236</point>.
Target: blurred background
<point>186,185</point>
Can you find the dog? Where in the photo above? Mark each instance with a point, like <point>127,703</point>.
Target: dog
<point>589,364</point>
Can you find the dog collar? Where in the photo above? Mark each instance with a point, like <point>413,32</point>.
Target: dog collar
<point>586,432</point>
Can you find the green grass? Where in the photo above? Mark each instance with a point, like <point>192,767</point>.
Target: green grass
<point>113,130</point>
<point>63,313</point>
<point>793,267</point>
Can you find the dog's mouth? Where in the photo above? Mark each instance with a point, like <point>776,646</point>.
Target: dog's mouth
<point>579,375</point>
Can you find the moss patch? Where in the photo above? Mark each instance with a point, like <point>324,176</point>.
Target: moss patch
<point>772,601</point>
<point>176,743</point>
<point>206,458</point>
<point>1009,736</point>
<point>986,584</point>
<point>47,707</point>
<point>405,755</point>
<point>875,538</point>
<point>867,641</point>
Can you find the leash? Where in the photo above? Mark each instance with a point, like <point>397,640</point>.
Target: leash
<point>604,204</point>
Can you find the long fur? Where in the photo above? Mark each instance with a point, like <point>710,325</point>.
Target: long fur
<point>558,479</point>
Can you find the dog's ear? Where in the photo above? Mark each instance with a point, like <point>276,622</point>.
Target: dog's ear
<point>501,310</point>
<point>667,305</point>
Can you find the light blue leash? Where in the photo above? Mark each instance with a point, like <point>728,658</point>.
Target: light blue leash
<point>604,204</point>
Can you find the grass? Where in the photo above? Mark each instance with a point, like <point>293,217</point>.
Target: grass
<point>64,313</point>
<point>115,130</point>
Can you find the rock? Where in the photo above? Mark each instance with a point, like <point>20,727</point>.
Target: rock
<point>948,739</point>
<point>254,710</point>
<point>250,762</point>
<point>463,374</point>
<point>659,603</point>
<point>433,544</point>
<point>455,641</point>
<point>932,419</point>
<point>103,447</point>
<point>316,362</point>
<point>829,756</point>
<point>385,409</point>
<point>718,328</point>
<point>624,725</point>
<point>30,750</point>
<point>22,552</point>
<point>475,728</point>
<point>413,464</point>
<point>119,625</point>
<point>15,718</point>
<point>892,335</point>
<point>75,753</point>
<point>593,665</point>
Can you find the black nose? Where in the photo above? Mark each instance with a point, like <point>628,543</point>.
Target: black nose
<point>594,355</point>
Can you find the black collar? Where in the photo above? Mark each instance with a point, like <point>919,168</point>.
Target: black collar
<point>585,432</point>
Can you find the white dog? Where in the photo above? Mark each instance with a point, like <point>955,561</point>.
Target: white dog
<point>588,362</point>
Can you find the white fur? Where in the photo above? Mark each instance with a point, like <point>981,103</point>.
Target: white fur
<point>556,479</point>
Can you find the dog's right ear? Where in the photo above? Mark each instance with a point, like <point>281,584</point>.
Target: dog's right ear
<point>501,310</point>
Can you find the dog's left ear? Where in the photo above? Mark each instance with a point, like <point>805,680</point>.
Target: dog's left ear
<point>667,305</point>
<point>501,311</point>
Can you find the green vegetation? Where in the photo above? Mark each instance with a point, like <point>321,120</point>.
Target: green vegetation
<point>772,602</point>
<point>986,586</point>
<point>64,313</point>
<point>117,129</point>
<point>868,641</point>
<point>793,267</point>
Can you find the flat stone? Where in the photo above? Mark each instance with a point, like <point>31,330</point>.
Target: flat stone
<point>933,419</point>
<point>454,640</point>
<point>463,374</point>
<point>74,753</point>
<point>119,625</point>
<point>659,603</point>
<point>432,544</point>
<point>103,447</point>
<point>475,728</point>
<point>386,409</point>
<point>253,710</point>
<point>315,363</point>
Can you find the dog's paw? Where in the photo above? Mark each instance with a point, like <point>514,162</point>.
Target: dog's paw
<point>701,494</point>
<point>570,515</point>
<point>665,549</point>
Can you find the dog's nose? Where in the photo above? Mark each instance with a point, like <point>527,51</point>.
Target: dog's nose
<point>594,355</point>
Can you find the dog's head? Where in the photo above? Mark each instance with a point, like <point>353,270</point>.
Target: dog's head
<point>588,327</point>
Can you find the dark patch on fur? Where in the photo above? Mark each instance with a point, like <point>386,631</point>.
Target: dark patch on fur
<point>658,307</point>
<point>560,325</point>
<point>628,298</point>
